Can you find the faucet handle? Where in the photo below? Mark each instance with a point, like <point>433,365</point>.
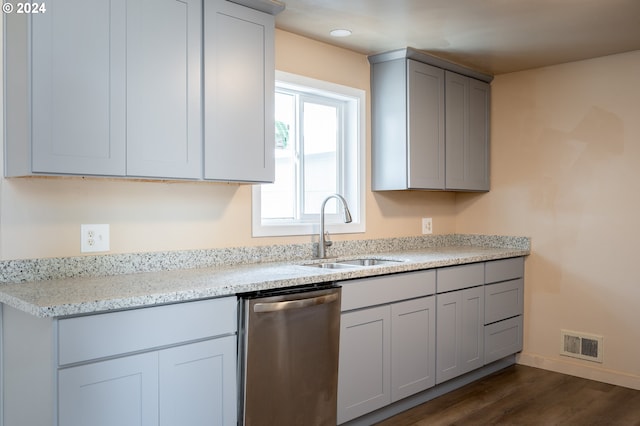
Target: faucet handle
<point>327,239</point>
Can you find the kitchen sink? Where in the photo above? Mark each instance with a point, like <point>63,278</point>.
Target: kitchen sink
<point>330,265</point>
<point>353,263</point>
<point>368,262</point>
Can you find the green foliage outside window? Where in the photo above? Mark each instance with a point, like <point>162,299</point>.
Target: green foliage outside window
<point>282,134</point>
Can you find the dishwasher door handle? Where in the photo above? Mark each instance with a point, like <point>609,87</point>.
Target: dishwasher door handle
<point>294,304</point>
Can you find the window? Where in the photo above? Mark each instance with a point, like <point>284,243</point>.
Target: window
<point>319,151</point>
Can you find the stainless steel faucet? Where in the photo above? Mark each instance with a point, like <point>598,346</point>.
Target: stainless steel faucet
<point>324,241</point>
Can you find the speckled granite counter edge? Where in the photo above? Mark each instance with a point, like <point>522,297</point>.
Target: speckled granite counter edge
<point>27,270</point>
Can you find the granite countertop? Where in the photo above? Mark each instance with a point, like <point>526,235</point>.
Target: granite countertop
<point>91,294</point>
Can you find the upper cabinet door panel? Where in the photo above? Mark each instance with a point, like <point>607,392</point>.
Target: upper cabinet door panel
<point>426,130</point>
<point>239,93</point>
<point>164,136</point>
<point>78,88</point>
<point>467,133</point>
<point>479,137</point>
<point>457,125</point>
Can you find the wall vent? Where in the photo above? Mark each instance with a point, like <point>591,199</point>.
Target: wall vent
<point>581,345</point>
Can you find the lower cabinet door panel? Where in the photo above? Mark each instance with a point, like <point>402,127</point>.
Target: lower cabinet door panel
<point>502,338</point>
<point>472,345</point>
<point>122,391</point>
<point>460,332</point>
<point>364,367</point>
<point>197,384</point>
<point>448,352</point>
<point>413,340</point>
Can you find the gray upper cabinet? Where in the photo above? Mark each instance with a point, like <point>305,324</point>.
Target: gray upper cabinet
<point>238,93</point>
<point>65,85</point>
<point>408,125</point>
<point>430,122</point>
<point>119,91</point>
<point>115,92</point>
<point>467,133</point>
<point>164,114</point>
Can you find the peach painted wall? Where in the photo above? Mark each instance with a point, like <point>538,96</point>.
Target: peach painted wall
<point>566,172</point>
<point>41,217</point>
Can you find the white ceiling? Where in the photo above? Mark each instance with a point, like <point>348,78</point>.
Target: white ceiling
<point>493,36</point>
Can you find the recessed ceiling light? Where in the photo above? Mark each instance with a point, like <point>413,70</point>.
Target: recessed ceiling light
<point>340,33</point>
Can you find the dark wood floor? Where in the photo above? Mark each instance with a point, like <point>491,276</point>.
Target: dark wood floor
<point>521,395</point>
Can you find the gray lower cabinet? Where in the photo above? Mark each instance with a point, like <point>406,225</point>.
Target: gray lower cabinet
<point>387,350</point>
<point>413,339</point>
<point>239,91</point>
<point>405,333</point>
<point>430,124</point>
<point>365,370</point>
<point>176,386</point>
<point>166,365</point>
<point>504,308</point>
<point>122,391</point>
<point>479,315</point>
<point>460,332</point>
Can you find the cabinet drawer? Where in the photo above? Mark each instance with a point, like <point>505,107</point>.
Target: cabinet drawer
<point>373,291</point>
<point>502,270</point>
<point>502,338</point>
<point>459,277</point>
<point>96,336</point>
<point>503,300</point>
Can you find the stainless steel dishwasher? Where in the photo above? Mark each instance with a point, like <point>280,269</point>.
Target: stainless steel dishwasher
<point>289,353</point>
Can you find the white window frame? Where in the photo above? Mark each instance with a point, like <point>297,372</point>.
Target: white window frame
<point>355,148</point>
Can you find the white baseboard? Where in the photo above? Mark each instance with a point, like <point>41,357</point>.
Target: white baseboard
<point>584,369</point>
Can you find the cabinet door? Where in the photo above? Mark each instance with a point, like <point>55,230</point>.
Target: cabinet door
<point>198,384</point>
<point>413,342</point>
<point>477,167</point>
<point>78,88</point>
<point>118,392</point>
<point>364,366</point>
<point>460,332</point>
<point>426,126</point>
<point>467,133</point>
<point>448,340</point>
<point>472,344</point>
<point>164,136</point>
<point>239,85</point>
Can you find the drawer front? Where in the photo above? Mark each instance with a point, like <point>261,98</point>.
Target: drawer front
<point>96,336</point>
<point>503,300</point>
<point>503,270</point>
<point>502,339</point>
<point>373,291</point>
<point>459,277</point>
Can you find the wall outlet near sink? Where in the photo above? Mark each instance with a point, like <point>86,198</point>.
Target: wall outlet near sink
<point>427,225</point>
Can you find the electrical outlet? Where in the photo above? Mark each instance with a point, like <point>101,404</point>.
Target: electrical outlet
<point>427,225</point>
<point>94,238</point>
